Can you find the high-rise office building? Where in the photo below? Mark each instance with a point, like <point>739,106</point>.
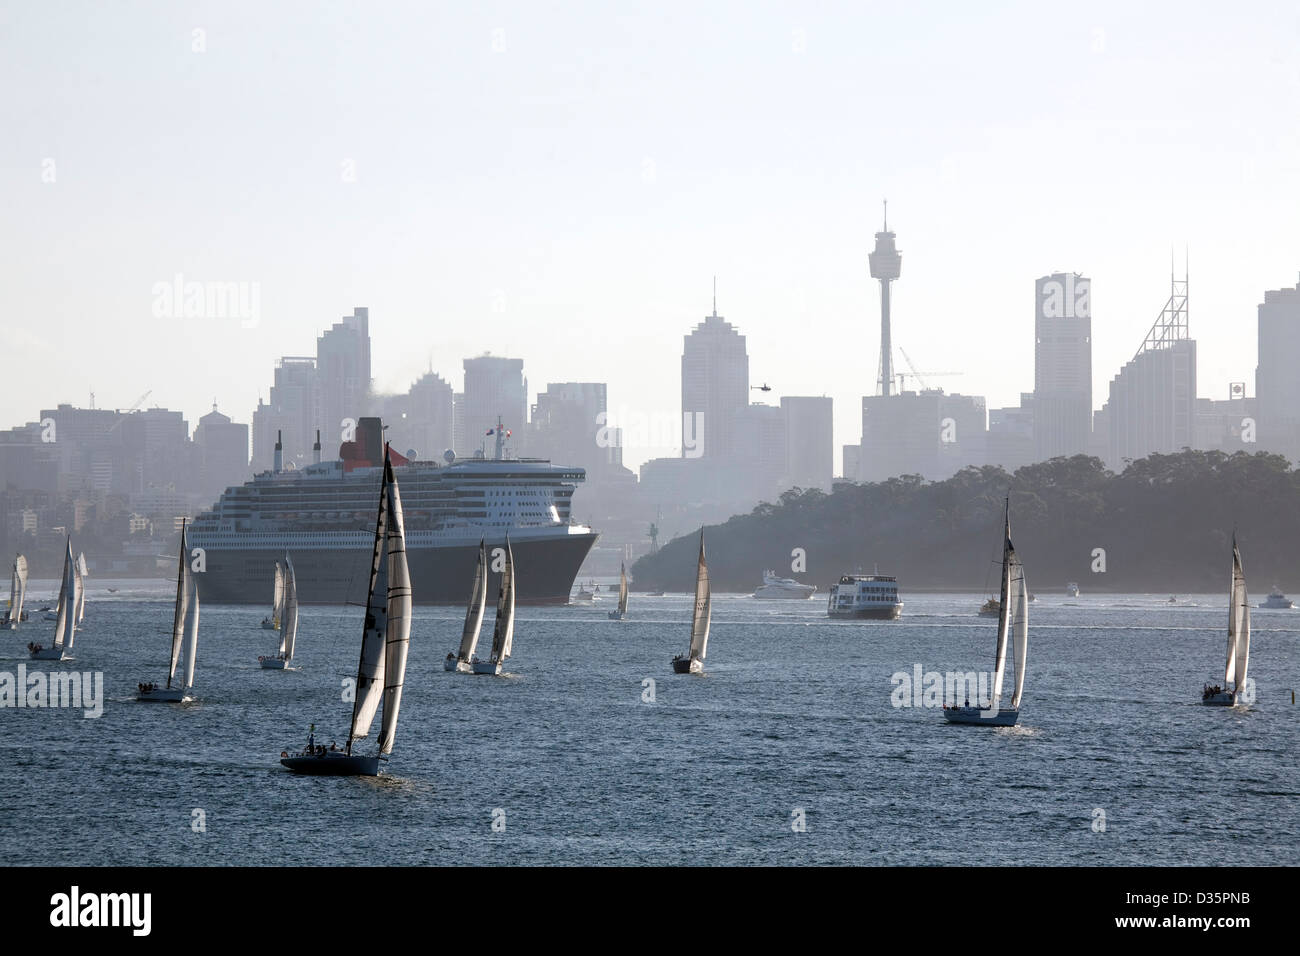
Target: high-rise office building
<point>809,443</point>
<point>1277,386</point>
<point>1062,365</point>
<point>927,433</point>
<point>715,386</point>
<point>291,411</point>
<point>342,375</point>
<point>567,425</point>
<point>1152,405</point>
<point>495,389</point>
<point>223,453</point>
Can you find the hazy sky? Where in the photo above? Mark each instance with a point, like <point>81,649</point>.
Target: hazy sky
<point>559,182</point>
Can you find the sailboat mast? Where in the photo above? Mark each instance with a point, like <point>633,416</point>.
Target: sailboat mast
<point>178,619</point>
<point>370,594</point>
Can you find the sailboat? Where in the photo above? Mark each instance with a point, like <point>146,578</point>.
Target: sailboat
<point>272,623</point>
<point>1013,621</point>
<point>693,662</point>
<point>82,573</point>
<point>503,632</point>
<point>622,595</point>
<point>288,620</point>
<point>385,639</point>
<point>460,660</point>
<point>1238,641</point>
<point>185,636</point>
<point>65,620</point>
<point>17,591</point>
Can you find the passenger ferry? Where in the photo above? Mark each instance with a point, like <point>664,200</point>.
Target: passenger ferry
<point>324,516</point>
<point>872,596</point>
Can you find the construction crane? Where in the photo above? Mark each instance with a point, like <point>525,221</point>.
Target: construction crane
<point>917,375</point>
<point>122,415</point>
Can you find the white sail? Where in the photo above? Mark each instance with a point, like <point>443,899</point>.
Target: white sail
<point>504,630</point>
<point>398,634</point>
<point>66,623</point>
<point>191,629</point>
<point>622,589</point>
<point>703,607</point>
<point>81,574</point>
<point>370,669</point>
<point>1238,625</point>
<point>289,616</point>
<point>277,600</point>
<point>183,575</point>
<point>1019,624</point>
<point>1004,614</point>
<point>17,590</point>
<point>474,610</point>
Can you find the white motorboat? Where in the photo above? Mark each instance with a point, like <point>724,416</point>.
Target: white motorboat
<point>783,588</point>
<point>1277,601</point>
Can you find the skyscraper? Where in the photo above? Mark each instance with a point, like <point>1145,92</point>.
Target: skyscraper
<point>223,453</point>
<point>1152,405</point>
<point>1062,365</point>
<point>495,387</point>
<point>715,386</point>
<point>291,410</point>
<point>343,374</point>
<point>1277,386</point>
<point>810,448</point>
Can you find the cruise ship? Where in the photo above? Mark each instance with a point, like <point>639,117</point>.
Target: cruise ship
<point>871,596</point>
<point>323,516</point>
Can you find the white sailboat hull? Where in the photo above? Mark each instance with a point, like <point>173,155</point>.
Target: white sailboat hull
<point>456,666</point>
<point>1005,717</point>
<point>269,626</point>
<point>683,665</point>
<point>486,667</point>
<point>166,695</point>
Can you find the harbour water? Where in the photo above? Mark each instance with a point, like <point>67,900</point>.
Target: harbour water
<point>789,750</point>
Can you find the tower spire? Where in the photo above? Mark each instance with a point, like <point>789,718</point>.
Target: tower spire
<point>886,215</point>
<point>886,264</point>
<point>715,297</point>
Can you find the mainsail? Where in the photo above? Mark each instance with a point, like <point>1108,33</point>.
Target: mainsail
<point>370,669</point>
<point>1004,611</point>
<point>183,580</point>
<point>17,591</point>
<point>398,633</point>
<point>703,607</point>
<point>1019,624</point>
<point>504,630</point>
<point>474,610</point>
<point>622,589</point>
<point>1238,625</point>
<point>289,618</point>
<point>65,626</point>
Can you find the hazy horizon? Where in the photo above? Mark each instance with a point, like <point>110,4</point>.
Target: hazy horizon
<point>562,185</point>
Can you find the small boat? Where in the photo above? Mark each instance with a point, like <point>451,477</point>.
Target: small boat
<point>185,637</point>
<point>1013,622</point>
<point>584,596</point>
<point>654,593</point>
<point>272,623</point>
<point>991,608</point>
<point>288,620</point>
<point>112,590</point>
<point>460,660</point>
<point>503,631</point>
<point>788,588</point>
<point>618,615</point>
<point>693,661</point>
<point>1072,589</point>
<point>385,640</point>
<point>1277,601</point>
<point>1173,599</point>
<point>65,626</point>
<point>1234,674</point>
<point>17,592</point>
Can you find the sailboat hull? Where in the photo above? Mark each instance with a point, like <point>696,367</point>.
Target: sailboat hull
<point>333,764</point>
<point>978,717</point>
<point>682,665</point>
<point>164,695</point>
<point>616,615</point>
<point>273,663</point>
<point>1223,699</point>
<point>49,654</point>
<point>268,626</point>
<point>486,667</point>
<point>458,666</point>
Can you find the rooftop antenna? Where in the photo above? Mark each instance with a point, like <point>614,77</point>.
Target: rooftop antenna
<point>715,297</point>
<point>886,215</point>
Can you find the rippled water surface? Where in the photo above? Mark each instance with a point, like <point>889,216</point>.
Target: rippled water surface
<point>794,714</point>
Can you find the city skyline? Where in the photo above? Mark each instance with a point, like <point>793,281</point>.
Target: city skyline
<point>577,224</point>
